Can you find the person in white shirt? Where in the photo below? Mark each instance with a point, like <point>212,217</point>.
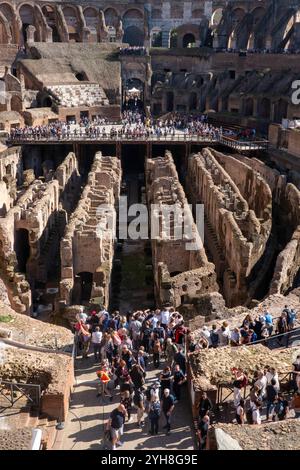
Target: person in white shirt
<point>256,414</point>
<point>261,383</point>
<point>165,317</point>
<point>272,374</point>
<point>206,334</point>
<point>96,341</point>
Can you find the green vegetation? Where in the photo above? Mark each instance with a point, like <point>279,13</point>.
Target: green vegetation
<point>5,318</point>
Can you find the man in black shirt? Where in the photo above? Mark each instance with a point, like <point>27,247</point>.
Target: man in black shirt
<point>178,380</point>
<point>205,405</point>
<point>168,407</point>
<point>271,393</point>
<point>115,424</point>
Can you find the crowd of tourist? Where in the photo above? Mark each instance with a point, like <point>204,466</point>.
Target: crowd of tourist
<point>134,125</point>
<point>252,330</point>
<point>127,347</point>
<point>133,50</point>
<point>124,345</point>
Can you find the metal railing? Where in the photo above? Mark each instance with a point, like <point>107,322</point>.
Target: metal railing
<point>244,144</point>
<point>16,391</point>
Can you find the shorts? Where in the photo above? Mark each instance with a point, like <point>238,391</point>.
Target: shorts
<point>116,433</point>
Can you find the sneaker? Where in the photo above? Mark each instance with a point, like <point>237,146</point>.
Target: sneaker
<point>113,448</point>
<point>120,443</point>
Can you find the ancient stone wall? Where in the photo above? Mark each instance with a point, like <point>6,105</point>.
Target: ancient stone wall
<point>233,233</point>
<point>10,176</point>
<point>180,273</point>
<point>88,243</point>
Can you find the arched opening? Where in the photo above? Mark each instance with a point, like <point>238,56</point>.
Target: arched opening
<point>156,38</point>
<point>188,40</point>
<point>170,101</point>
<point>133,25</point>
<point>92,20</point>
<point>8,27</point>
<point>265,108</point>
<point>133,36</point>
<point>111,17</point>
<point>49,15</point>
<point>133,95</point>
<point>216,17</point>
<point>193,101</point>
<point>3,32</point>
<point>280,111</point>
<point>8,170</point>
<point>27,17</point>
<point>86,285</point>
<point>22,249</point>
<point>80,76</point>
<point>249,107</point>
<point>70,15</point>
<point>47,102</point>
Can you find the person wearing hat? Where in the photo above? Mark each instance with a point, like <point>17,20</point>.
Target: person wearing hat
<point>104,378</point>
<point>168,405</point>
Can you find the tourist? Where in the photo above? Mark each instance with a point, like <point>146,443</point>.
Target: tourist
<point>224,334</point>
<point>86,339</point>
<point>154,415</point>
<point>256,417</point>
<point>271,373</point>
<point>116,425</point>
<point>165,316</point>
<point>96,342</point>
<point>104,375</point>
<point>170,350</point>
<point>178,380</point>
<point>179,359</point>
<point>271,395</point>
<point>168,405</point>
<point>202,431</point>
<point>269,322</point>
<point>137,375</point>
<point>204,406</point>
<point>126,400</point>
<point>295,404</point>
<point>240,412</point>
<point>127,356</point>
<point>156,353</point>
<point>296,374</point>
<point>138,400</point>
<point>240,381</point>
<point>282,327</point>
<point>214,337</point>
<point>281,409</point>
<point>261,384</point>
<point>235,337</point>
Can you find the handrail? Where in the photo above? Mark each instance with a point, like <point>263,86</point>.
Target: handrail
<point>24,389</point>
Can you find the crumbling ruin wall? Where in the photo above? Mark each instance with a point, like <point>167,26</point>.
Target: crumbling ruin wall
<point>10,176</point>
<point>69,179</point>
<point>180,273</point>
<point>53,372</point>
<point>88,243</point>
<point>233,232</point>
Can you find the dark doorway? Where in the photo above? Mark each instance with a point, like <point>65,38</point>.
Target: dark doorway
<point>22,249</point>
<point>170,101</point>
<point>86,284</point>
<point>133,158</point>
<point>188,39</point>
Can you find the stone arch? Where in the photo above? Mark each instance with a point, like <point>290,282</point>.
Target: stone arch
<point>50,17</point>
<point>237,17</point>
<point>9,23</point>
<point>216,18</point>
<point>265,108</point>
<point>134,36</point>
<point>26,13</point>
<point>91,16</point>
<point>5,33</point>
<point>71,18</point>
<point>133,25</point>
<point>111,17</point>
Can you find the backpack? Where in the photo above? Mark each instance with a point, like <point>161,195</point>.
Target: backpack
<point>249,416</point>
<point>155,410</point>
